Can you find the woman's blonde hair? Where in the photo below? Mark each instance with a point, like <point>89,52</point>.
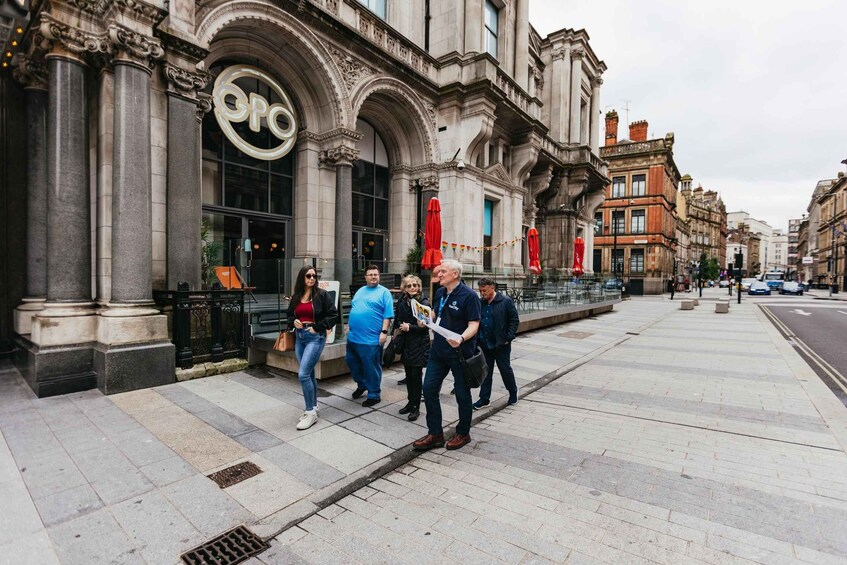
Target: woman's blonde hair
<point>414,279</point>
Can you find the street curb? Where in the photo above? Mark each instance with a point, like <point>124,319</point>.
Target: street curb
<point>274,525</point>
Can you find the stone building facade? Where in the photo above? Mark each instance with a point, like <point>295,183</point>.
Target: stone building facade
<point>832,234</point>
<point>300,130</point>
<point>639,235</point>
<point>741,240</point>
<point>707,222</point>
<point>818,270</point>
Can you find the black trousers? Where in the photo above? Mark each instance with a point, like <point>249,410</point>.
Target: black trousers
<point>414,382</point>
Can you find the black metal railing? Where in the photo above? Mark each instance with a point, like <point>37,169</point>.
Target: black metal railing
<point>204,325</point>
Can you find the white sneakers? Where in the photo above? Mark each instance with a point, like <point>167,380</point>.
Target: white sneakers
<point>307,420</point>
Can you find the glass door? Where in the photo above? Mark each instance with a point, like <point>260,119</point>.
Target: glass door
<point>368,249</point>
<point>268,242</point>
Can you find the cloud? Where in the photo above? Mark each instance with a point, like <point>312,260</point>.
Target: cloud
<point>753,90</point>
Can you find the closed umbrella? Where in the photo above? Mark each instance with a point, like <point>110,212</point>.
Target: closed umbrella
<point>432,236</point>
<point>578,253</point>
<point>534,251</point>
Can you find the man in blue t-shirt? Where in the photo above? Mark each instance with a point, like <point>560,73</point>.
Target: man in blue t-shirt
<point>370,316</point>
<point>456,308</point>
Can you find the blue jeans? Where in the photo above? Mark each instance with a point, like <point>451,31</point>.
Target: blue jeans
<point>308,349</point>
<point>436,371</point>
<point>365,364</point>
<point>501,355</point>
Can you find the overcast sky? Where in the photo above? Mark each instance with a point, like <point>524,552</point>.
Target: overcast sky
<point>755,91</point>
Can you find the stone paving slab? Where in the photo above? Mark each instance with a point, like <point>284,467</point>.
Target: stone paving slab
<point>630,477</point>
<point>654,450</point>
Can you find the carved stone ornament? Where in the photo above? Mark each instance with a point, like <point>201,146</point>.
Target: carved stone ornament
<point>577,54</point>
<point>424,183</point>
<point>31,73</point>
<point>185,82</point>
<point>559,53</point>
<point>135,47</point>
<point>351,69</point>
<point>596,82</point>
<point>74,40</point>
<point>96,7</point>
<point>538,75</point>
<point>340,155</point>
<point>141,10</point>
<point>204,105</point>
<point>332,6</point>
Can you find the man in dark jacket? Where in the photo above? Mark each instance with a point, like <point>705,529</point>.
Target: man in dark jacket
<point>497,329</point>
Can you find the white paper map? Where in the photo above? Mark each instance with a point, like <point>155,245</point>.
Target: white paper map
<point>424,313</point>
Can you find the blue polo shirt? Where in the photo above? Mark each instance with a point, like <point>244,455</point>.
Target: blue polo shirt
<point>371,305</point>
<point>456,310</point>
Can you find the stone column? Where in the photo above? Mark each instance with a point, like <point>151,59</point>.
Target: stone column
<point>522,44</point>
<point>33,75</point>
<point>133,350</point>
<point>185,113</point>
<point>473,26</point>
<point>342,158</point>
<point>132,236</point>
<point>560,95</point>
<point>594,139</point>
<point>576,95</point>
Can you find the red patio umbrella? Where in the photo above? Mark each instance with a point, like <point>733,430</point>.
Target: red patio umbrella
<point>534,251</point>
<point>578,253</point>
<point>432,236</point>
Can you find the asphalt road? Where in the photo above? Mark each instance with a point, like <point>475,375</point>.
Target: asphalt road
<point>818,330</point>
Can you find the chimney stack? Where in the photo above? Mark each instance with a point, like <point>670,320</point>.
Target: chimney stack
<point>638,131</point>
<point>611,128</point>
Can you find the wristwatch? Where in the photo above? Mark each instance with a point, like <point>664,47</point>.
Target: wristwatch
<point>384,332</point>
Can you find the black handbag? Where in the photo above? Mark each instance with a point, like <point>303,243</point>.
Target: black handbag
<point>389,353</point>
<point>474,369</point>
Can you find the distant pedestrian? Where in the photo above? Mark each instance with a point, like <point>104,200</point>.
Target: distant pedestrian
<point>497,329</point>
<point>456,308</point>
<point>313,314</point>
<point>673,286</point>
<point>415,339</point>
<point>370,316</point>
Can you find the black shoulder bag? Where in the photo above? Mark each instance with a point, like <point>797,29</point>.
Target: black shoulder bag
<point>474,369</point>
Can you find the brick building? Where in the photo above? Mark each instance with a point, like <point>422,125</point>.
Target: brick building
<point>637,233</point>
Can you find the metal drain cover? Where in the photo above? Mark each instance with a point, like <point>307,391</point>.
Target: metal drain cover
<point>235,474</point>
<point>237,545</point>
<point>575,335</point>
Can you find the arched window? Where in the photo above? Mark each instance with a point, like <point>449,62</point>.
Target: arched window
<point>370,198</point>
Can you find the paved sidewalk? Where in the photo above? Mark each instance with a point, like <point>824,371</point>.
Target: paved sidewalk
<point>704,438</point>
<point>123,479</point>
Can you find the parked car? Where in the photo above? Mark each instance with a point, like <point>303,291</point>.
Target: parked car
<point>724,283</point>
<point>759,287</point>
<point>745,283</point>
<point>790,287</point>
<point>613,284</point>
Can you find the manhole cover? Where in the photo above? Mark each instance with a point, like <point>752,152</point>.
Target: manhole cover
<point>575,335</point>
<point>235,474</point>
<point>234,546</point>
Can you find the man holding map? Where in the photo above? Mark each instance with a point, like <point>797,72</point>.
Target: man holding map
<point>456,320</point>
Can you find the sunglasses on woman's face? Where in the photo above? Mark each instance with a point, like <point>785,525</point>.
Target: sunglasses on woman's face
<point>412,285</point>
<point>311,276</point>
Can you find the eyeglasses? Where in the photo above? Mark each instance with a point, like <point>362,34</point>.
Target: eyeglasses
<point>311,276</point>
<point>373,274</point>
<point>412,285</point>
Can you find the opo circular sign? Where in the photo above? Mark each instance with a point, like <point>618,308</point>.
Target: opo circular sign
<point>233,105</point>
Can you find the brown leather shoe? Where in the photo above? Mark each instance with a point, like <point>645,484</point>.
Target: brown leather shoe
<point>428,442</point>
<point>458,440</point>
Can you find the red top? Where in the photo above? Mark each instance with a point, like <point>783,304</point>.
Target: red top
<point>305,312</point>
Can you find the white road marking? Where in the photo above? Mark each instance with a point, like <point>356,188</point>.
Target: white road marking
<point>802,312</point>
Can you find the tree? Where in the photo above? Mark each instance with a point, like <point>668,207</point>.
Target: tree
<point>210,252</point>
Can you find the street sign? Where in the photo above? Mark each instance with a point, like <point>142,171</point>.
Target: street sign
<point>808,260</point>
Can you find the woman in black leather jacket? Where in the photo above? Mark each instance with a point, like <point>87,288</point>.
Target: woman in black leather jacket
<point>415,338</point>
<point>312,314</point>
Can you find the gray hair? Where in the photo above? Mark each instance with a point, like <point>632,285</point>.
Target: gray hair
<point>452,265</point>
